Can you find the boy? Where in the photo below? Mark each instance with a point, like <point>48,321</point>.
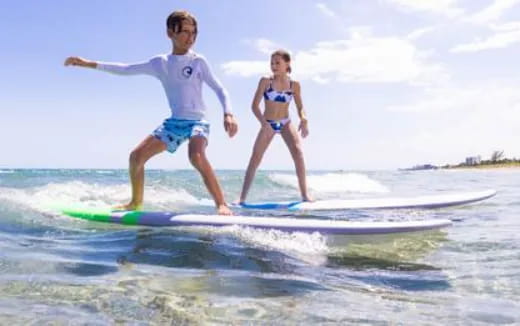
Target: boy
<point>181,74</point>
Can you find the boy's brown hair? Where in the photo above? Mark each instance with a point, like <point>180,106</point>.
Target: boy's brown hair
<point>176,18</point>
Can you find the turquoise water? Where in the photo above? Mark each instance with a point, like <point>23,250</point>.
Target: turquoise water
<point>57,270</point>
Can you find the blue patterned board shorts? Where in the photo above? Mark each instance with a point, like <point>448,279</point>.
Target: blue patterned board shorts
<point>174,132</point>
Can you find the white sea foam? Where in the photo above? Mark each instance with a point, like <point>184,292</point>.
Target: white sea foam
<point>94,195</point>
<point>309,247</point>
<point>106,172</point>
<point>333,182</point>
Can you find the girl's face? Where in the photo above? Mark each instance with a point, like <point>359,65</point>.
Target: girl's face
<point>278,65</point>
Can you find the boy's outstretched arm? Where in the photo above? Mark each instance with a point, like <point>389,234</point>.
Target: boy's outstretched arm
<point>77,61</point>
<point>140,68</point>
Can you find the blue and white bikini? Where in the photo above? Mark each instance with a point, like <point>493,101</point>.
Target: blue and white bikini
<point>271,94</point>
<point>281,97</point>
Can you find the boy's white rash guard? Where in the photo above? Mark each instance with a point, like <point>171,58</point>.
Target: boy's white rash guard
<point>181,77</point>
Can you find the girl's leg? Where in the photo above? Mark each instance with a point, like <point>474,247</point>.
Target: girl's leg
<point>291,138</point>
<point>264,138</point>
<point>197,154</point>
<point>149,147</point>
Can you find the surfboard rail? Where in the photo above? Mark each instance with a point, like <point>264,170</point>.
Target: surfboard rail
<point>416,202</point>
<point>287,224</point>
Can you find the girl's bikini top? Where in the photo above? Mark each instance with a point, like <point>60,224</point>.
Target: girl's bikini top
<point>278,96</point>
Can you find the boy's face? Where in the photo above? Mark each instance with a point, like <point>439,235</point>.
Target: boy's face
<point>185,36</point>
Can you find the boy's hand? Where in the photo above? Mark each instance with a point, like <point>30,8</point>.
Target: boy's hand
<point>77,61</point>
<point>230,124</point>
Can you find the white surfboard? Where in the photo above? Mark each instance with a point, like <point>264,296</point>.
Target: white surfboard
<point>312,225</point>
<point>429,201</point>
<point>324,226</point>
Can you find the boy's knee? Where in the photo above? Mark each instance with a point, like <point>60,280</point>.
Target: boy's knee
<point>136,158</point>
<point>196,159</point>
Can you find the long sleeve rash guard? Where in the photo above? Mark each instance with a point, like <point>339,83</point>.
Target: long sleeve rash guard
<point>181,77</point>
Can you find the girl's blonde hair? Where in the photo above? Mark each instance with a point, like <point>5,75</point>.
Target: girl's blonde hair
<point>285,56</point>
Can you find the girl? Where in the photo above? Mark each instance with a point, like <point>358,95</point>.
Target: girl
<point>278,91</point>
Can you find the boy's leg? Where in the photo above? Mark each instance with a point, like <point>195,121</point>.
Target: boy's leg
<point>149,147</point>
<point>197,155</point>
<point>291,138</point>
<point>264,138</point>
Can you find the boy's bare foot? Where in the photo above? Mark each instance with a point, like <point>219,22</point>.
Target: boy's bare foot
<point>128,207</point>
<point>223,210</point>
<point>307,198</point>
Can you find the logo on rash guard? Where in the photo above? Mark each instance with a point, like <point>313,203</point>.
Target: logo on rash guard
<point>187,71</point>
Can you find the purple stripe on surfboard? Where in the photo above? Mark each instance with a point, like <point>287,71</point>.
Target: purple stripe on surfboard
<point>146,218</point>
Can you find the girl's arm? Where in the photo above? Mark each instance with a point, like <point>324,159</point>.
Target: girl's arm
<point>142,68</point>
<point>303,128</point>
<point>255,106</point>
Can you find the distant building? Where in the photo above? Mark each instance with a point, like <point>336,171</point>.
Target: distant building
<point>473,160</point>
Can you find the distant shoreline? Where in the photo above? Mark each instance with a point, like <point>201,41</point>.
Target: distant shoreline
<point>484,166</point>
<point>503,164</point>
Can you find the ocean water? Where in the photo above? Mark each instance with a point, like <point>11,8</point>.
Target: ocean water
<point>62,271</point>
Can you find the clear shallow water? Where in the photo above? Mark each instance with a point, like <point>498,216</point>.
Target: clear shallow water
<point>54,269</point>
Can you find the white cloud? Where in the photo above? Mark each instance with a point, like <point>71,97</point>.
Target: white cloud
<point>499,40</point>
<point>253,68</point>
<point>505,33</point>
<point>442,7</point>
<point>325,9</point>
<point>493,12</point>
<point>361,58</point>
<point>418,33</point>
<point>246,68</point>
<point>510,26</point>
<point>264,46</point>
<point>465,120</point>
<point>485,97</point>
<point>489,17</point>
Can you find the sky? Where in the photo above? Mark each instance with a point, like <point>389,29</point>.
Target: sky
<point>385,83</point>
